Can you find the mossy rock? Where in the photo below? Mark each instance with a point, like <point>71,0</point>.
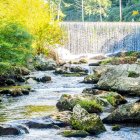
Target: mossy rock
<point>78,69</point>
<point>91,79</point>
<point>119,60</point>
<point>116,127</point>
<point>114,98</point>
<point>83,61</point>
<point>15,90</point>
<point>73,74</point>
<point>82,120</point>
<point>74,133</point>
<point>66,102</point>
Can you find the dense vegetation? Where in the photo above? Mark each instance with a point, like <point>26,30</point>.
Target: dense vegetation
<point>100,10</point>
<point>27,27</point>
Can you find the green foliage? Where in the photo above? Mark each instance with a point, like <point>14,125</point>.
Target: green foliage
<point>38,17</point>
<point>15,44</point>
<point>109,10</point>
<point>5,68</point>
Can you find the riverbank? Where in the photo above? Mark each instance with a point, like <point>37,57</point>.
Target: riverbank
<point>43,98</point>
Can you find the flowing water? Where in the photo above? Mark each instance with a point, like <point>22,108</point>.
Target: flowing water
<point>41,102</point>
<point>102,37</point>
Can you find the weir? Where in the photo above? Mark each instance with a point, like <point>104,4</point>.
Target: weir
<point>101,37</point>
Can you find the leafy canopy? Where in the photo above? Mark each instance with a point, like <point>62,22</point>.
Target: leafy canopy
<point>36,17</point>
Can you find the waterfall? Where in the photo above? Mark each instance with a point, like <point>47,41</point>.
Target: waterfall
<point>101,37</point>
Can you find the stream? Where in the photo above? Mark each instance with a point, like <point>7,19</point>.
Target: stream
<point>41,102</point>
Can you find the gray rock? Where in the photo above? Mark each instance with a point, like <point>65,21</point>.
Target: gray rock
<point>43,79</point>
<point>43,64</point>
<point>45,122</point>
<point>13,129</point>
<point>113,98</point>
<point>31,81</point>
<point>66,102</point>
<point>117,78</point>
<point>91,79</point>
<point>129,113</point>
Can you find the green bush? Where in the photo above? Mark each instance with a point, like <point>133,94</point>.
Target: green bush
<point>5,68</point>
<point>15,44</point>
<point>133,74</point>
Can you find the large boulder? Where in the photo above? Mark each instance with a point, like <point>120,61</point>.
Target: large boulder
<point>13,129</point>
<point>82,120</point>
<point>122,78</point>
<point>89,103</point>
<point>129,113</point>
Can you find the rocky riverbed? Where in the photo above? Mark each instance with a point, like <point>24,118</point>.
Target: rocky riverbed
<point>75,102</point>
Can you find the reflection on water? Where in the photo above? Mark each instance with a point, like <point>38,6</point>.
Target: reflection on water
<point>37,111</point>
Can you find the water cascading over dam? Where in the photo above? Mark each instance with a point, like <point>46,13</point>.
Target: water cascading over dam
<point>101,37</point>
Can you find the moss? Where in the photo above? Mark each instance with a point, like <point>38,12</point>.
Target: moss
<point>116,128</point>
<point>106,61</point>
<point>111,100</point>
<point>119,60</point>
<point>91,106</point>
<point>73,74</point>
<point>114,98</point>
<point>133,74</point>
<point>15,87</point>
<point>15,90</point>
<point>93,78</point>
<point>90,124</point>
<point>75,133</point>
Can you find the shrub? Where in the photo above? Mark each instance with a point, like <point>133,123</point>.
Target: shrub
<point>15,44</point>
<point>133,74</point>
<point>5,68</point>
<point>37,17</point>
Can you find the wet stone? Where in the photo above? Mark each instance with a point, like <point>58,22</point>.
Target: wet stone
<point>13,129</point>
